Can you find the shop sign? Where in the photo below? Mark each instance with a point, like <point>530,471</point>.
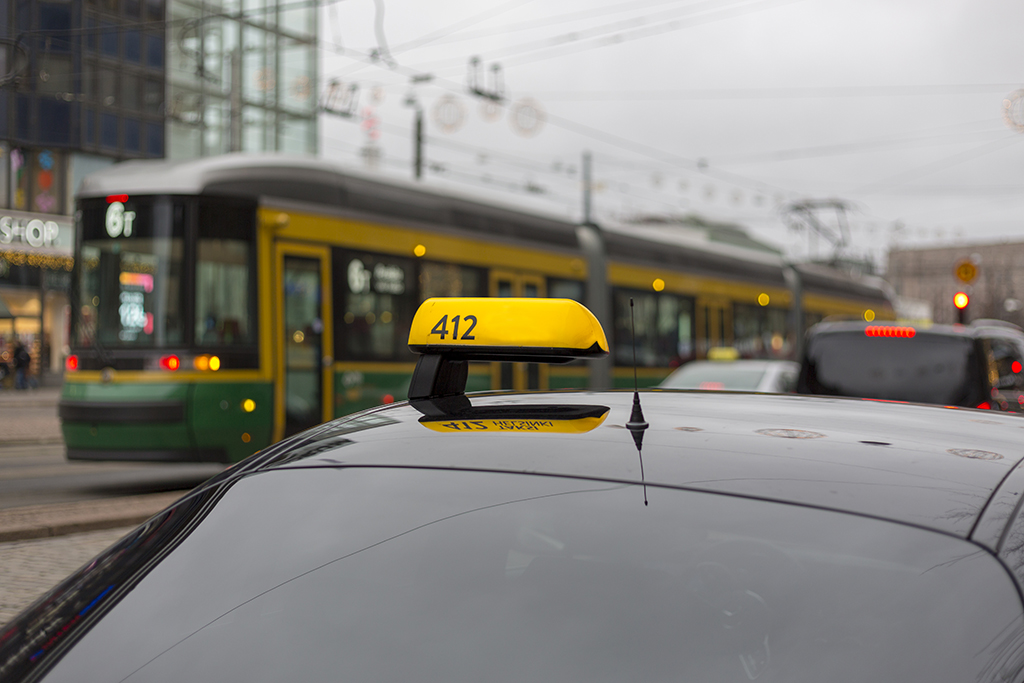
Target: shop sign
<point>21,230</point>
<point>34,232</point>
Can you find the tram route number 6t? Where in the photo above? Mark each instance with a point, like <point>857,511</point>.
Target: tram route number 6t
<point>441,327</point>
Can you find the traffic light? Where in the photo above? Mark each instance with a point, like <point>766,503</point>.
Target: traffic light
<point>961,300</point>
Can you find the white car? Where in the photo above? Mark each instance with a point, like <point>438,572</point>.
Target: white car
<point>768,376</point>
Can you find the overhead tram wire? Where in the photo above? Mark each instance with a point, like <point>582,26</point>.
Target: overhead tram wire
<point>546,22</point>
<point>863,146</point>
<point>459,173</point>
<point>348,71</point>
<point>939,165</point>
<point>440,33</point>
<point>772,93</point>
<point>611,35</point>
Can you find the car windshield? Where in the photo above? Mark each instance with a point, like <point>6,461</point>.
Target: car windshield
<point>377,574</point>
<point>715,375</point>
<point>928,368</point>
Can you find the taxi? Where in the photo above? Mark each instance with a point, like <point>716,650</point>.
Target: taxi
<point>567,536</point>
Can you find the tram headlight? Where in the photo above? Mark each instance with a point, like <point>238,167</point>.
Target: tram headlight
<point>201,363</point>
<point>214,363</point>
<point>248,405</point>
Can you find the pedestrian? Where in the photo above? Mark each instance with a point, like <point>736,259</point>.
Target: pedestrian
<point>22,360</point>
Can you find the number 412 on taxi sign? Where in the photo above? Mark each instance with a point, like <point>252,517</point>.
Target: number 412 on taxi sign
<point>441,327</point>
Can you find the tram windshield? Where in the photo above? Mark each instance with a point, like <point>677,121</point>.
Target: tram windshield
<point>160,271</point>
<point>130,277</point>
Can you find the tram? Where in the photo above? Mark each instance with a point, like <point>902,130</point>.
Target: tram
<point>221,304</point>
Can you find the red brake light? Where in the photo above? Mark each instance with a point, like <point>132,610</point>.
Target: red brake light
<point>890,331</point>
<point>985,405</point>
<point>117,198</point>
<point>1015,366</point>
<point>71,363</point>
<point>713,386</point>
<point>170,362</point>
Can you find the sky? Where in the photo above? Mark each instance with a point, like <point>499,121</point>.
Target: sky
<point>902,113</point>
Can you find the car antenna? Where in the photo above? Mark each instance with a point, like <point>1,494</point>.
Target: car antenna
<point>637,424</point>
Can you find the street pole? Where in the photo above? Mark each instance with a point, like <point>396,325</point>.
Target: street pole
<point>587,185</point>
<point>418,145</point>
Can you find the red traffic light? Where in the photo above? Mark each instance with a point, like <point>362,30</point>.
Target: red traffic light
<point>960,300</point>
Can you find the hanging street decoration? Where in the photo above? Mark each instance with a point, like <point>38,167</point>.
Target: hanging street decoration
<point>526,117</point>
<point>449,114</point>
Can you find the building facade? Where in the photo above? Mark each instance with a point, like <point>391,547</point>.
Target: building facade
<point>87,83</point>
<point>995,291</point>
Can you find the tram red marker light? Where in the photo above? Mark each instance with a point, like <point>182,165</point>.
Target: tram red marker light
<point>170,362</point>
<point>117,198</point>
<point>72,363</point>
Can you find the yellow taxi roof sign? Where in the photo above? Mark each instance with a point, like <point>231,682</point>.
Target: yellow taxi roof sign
<point>507,329</point>
<point>723,353</point>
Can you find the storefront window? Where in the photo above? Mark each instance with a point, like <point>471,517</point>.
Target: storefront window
<point>129,280</point>
<point>664,329</point>
<point>374,301</point>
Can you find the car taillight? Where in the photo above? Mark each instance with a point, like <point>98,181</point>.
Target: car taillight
<point>985,405</point>
<point>170,362</point>
<point>890,331</point>
<point>71,363</point>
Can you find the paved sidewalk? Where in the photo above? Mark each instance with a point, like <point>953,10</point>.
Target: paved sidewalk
<point>29,416</point>
<point>28,569</point>
<point>41,521</point>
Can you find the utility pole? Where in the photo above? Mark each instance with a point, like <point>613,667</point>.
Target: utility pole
<point>587,186</point>
<point>418,144</point>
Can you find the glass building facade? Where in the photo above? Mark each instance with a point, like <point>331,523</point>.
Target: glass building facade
<point>241,76</point>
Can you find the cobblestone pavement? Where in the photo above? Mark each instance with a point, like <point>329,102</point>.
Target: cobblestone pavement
<point>30,568</point>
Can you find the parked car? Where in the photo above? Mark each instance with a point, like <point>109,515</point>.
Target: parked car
<point>1006,342</point>
<point>767,376</point>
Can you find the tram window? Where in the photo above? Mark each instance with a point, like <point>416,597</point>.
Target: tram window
<point>374,300</point>
<point>449,279</point>
<point>566,289</point>
<point>130,285</point>
<point>760,332</point>
<point>664,329</point>
<point>225,289</point>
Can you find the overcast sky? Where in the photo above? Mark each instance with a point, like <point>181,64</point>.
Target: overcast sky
<point>730,109</point>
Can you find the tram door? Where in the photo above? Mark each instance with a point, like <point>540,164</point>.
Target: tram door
<point>518,376</point>
<point>714,324</point>
<point>304,380</point>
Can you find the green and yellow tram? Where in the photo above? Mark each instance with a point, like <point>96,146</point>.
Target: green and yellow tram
<point>221,304</point>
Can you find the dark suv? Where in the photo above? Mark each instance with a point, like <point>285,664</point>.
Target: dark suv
<point>946,365</point>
